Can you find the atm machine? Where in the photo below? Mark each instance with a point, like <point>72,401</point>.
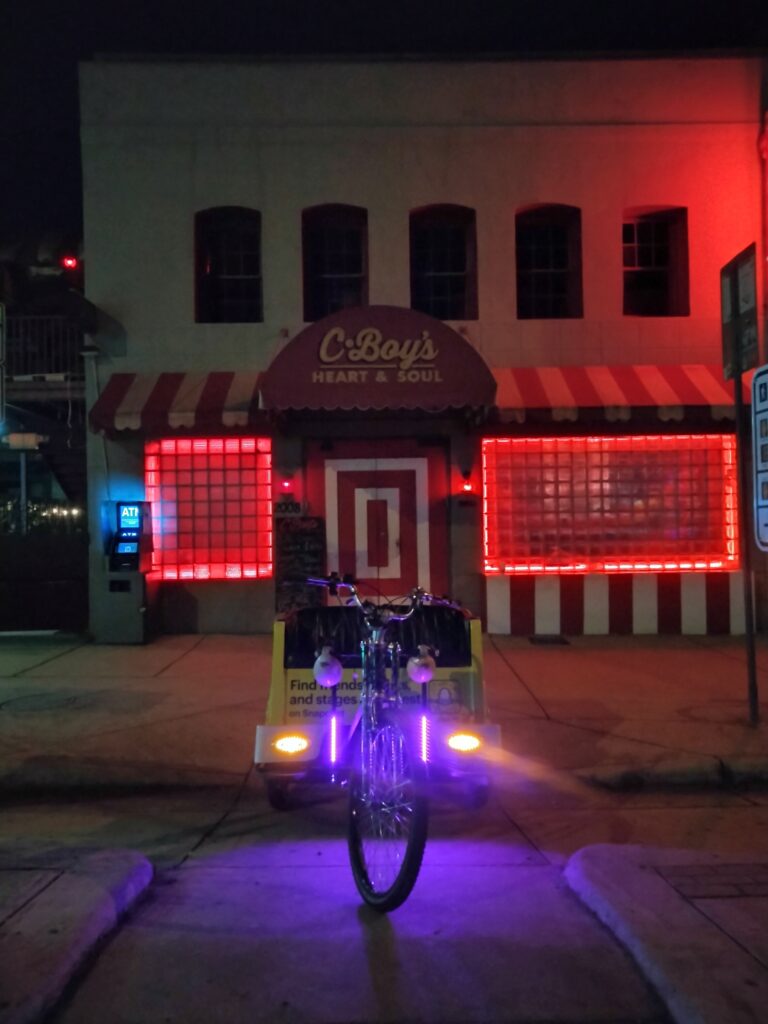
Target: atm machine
<point>130,546</point>
<point>120,615</point>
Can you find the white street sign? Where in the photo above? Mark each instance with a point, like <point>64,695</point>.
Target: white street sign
<point>760,455</point>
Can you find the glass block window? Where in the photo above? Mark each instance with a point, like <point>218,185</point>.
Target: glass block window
<point>335,245</point>
<point>444,263</point>
<point>228,266</point>
<point>610,504</point>
<point>655,259</point>
<point>211,507</point>
<point>548,257</point>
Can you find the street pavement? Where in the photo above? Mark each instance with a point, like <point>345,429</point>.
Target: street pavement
<point>620,871</point>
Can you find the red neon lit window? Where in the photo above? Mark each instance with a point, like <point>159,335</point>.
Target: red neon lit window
<point>610,504</point>
<point>211,507</point>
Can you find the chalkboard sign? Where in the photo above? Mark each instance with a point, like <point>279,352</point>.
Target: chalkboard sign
<point>300,552</point>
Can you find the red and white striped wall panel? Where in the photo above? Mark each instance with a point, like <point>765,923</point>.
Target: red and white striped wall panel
<point>644,603</point>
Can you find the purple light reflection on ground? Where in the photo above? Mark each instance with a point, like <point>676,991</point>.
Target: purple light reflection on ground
<point>250,941</point>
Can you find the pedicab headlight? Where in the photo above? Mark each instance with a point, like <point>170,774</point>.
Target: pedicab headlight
<point>291,743</point>
<point>421,667</point>
<point>327,669</point>
<point>463,742</point>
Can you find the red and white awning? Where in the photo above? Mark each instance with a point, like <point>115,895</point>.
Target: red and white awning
<point>616,389</point>
<point>158,402</point>
<point>155,403</point>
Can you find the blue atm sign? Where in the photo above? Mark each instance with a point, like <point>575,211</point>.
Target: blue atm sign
<point>129,517</point>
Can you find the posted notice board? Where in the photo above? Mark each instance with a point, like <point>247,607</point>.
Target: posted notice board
<point>299,552</point>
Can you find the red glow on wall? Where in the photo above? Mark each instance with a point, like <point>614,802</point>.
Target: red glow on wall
<point>69,262</point>
<point>211,507</point>
<point>643,503</point>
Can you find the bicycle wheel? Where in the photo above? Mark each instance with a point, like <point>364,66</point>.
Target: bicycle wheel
<point>387,819</point>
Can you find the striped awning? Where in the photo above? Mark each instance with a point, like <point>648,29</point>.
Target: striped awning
<point>615,389</point>
<point>157,402</point>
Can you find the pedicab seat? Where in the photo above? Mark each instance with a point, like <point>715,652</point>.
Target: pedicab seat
<point>308,630</point>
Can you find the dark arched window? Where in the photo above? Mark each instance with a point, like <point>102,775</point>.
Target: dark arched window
<point>228,266</point>
<point>335,244</point>
<point>444,262</point>
<point>548,255</point>
<point>655,259</point>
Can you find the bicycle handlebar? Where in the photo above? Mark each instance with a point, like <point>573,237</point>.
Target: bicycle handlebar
<point>417,597</point>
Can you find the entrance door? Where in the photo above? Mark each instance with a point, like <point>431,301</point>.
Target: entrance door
<point>385,509</point>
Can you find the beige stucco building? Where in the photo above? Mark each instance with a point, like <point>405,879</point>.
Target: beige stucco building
<point>565,221</point>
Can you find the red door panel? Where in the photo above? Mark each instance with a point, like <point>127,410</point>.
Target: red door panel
<point>395,569</point>
<point>385,507</point>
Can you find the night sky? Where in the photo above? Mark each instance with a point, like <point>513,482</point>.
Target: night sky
<point>42,42</point>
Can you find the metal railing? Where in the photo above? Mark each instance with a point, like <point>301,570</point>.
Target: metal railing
<point>43,346</point>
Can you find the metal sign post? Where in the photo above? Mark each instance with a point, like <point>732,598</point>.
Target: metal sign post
<point>738,293</point>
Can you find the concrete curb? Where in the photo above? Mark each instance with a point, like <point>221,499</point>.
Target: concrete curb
<point>702,975</point>
<point>746,768</point>
<point>60,919</point>
<point>59,774</point>
<point>54,773</point>
<point>679,771</point>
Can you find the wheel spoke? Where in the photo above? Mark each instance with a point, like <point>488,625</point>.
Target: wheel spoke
<point>385,809</point>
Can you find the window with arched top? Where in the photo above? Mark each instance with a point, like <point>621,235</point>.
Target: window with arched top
<point>444,262</point>
<point>655,259</point>
<point>335,257</point>
<point>548,259</point>
<point>228,266</point>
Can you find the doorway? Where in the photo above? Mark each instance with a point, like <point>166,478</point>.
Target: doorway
<point>386,511</point>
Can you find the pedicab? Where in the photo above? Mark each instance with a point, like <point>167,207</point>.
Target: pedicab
<point>314,707</point>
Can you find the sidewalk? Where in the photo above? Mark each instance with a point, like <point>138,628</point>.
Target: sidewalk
<point>54,918</point>
<point>610,712</point>
<point>696,925</point>
<point>179,711</point>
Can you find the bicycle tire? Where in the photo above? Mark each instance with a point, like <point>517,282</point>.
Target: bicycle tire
<point>388,819</point>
